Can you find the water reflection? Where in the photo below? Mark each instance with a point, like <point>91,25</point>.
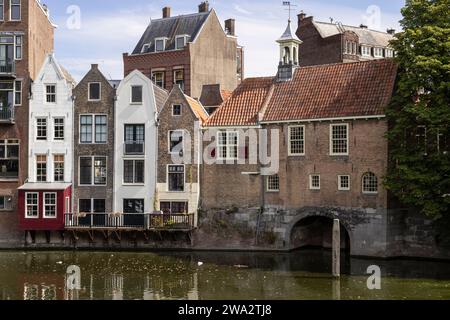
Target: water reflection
<point>148,276</point>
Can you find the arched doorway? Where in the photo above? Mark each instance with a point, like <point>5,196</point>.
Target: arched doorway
<point>316,231</point>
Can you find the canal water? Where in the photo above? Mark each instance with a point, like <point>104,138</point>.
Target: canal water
<point>213,275</point>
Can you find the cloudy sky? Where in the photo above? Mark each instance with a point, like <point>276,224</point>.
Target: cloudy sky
<point>99,31</point>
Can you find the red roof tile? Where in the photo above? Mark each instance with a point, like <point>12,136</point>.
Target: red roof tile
<point>198,109</point>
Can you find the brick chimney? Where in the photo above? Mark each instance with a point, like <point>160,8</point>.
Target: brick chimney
<point>94,66</point>
<point>391,31</point>
<point>301,16</point>
<point>230,27</point>
<point>166,12</point>
<point>203,7</point>
<point>363,26</point>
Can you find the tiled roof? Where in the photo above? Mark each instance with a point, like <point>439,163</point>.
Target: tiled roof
<point>67,75</point>
<point>226,94</point>
<point>161,96</point>
<point>198,109</point>
<point>244,104</point>
<point>169,28</point>
<point>318,92</point>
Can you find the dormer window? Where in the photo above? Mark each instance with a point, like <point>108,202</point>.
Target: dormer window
<point>160,44</point>
<point>378,52</point>
<point>389,53</point>
<point>145,48</point>
<point>180,42</point>
<point>365,51</point>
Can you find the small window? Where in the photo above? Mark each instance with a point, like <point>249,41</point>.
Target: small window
<point>133,171</point>
<point>5,203</point>
<point>178,78</point>
<point>32,205</point>
<point>67,208</point>
<point>101,129</point>
<point>50,93</point>
<point>86,129</point>
<point>297,141</point>
<point>273,183</point>
<point>227,145</point>
<point>180,42</point>
<point>58,163</point>
<point>2,12</point>
<point>176,141</point>
<point>15,10</point>
<point>175,178</point>
<point>94,91</point>
<point>378,52</point>
<point>18,93</point>
<point>41,168</point>
<point>145,47</point>
<point>370,183</point>
<point>366,51</point>
<point>133,206</point>
<point>389,53</point>
<point>19,45</point>
<point>339,139</point>
<point>160,44</point>
<point>41,126</point>
<point>9,159</point>
<point>58,129</point>
<point>100,170</point>
<point>50,205</point>
<point>176,110</point>
<point>344,183</point>
<point>158,78</point>
<point>314,182</point>
<point>136,94</point>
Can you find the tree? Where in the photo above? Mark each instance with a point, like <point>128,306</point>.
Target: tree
<point>419,113</point>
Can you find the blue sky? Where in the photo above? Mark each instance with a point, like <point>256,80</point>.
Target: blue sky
<point>107,28</point>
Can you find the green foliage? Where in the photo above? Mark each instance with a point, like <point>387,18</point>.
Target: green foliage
<point>419,174</point>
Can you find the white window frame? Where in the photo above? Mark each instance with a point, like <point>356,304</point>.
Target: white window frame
<point>142,95</point>
<point>362,184</point>
<point>290,153</point>
<point>331,139</point>
<point>134,172</point>
<point>48,94</point>
<point>28,205</point>
<point>54,166</point>
<point>67,204</point>
<point>99,90</point>
<point>311,186</point>
<point>227,146</point>
<point>15,92</point>
<point>54,129</point>
<point>145,47</point>
<point>176,42</point>
<point>92,172</point>
<point>164,44</point>
<point>37,129</point>
<point>268,183</point>
<point>184,177</point>
<point>2,5</point>
<point>163,78</point>
<point>46,167</point>
<point>18,46</point>
<point>55,205</point>
<point>93,127</point>
<point>376,52</point>
<point>389,53</point>
<point>181,110</point>
<point>340,188</point>
<point>169,142</point>
<point>366,51</point>
<point>10,11</point>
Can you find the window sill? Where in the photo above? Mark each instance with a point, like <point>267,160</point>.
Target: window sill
<point>175,191</point>
<point>99,100</point>
<point>369,194</point>
<point>273,191</point>
<point>133,184</point>
<point>9,179</point>
<point>136,103</point>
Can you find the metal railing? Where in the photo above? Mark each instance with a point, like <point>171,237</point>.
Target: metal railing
<point>7,113</point>
<point>134,147</point>
<point>134,221</point>
<point>7,67</point>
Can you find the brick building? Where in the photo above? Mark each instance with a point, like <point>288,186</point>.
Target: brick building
<point>189,50</point>
<point>27,36</point>
<point>325,42</point>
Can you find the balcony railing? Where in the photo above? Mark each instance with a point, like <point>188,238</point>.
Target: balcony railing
<point>129,221</point>
<point>7,67</point>
<point>7,114</point>
<point>134,148</point>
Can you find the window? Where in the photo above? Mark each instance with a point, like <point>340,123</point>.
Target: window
<point>18,93</point>
<point>19,44</point>
<point>314,182</point>
<point>93,167</point>
<point>58,161</point>
<point>227,144</point>
<point>158,78</point>
<point>389,53</point>
<point>343,183</point>
<point>354,48</point>
<point>31,204</point>
<point>370,183</point>
<point>5,203</point>
<point>134,139</point>
<point>15,10</point>
<point>421,138</point>
<point>297,141</point>
<point>160,44</point>
<point>58,127</point>
<point>176,110</point>
<point>95,90</point>
<point>133,206</point>
<point>173,207</point>
<point>101,129</point>
<point>176,142</point>
<point>365,51</point>
<point>92,206</point>
<point>50,93</point>
<point>273,183</point>
<point>378,52</point>
<point>41,126</point>
<point>50,205</point>
<point>145,47</point>
<point>339,140</point>
<point>9,159</point>
<point>136,94</point>
<point>178,78</point>
<point>176,178</point>
<point>67,208</point>
<point>41,168</point>
<point>86,129</point>
<point>2,10</point>
<point>134,171</point>
<point>180,42</point>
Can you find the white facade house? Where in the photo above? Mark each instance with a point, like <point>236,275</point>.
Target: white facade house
<point>135,145</point>
<point>51,125</point>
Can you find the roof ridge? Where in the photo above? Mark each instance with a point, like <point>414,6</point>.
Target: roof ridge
<point>182,16</point>
<point>356,27</point>
<point>346,63</point>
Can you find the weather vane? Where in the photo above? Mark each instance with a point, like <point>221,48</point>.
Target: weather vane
<point>290,9</point>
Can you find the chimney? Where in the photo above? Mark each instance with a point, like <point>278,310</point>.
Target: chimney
<point>391,31</point>
<point>363,26</point>
<point>94,66</point>
<point>230,26</point>
<point>203,7</point>
<point>301,16</point>
<point>166,12</point>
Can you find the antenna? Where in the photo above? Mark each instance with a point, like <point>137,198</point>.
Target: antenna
<point>290,9</point>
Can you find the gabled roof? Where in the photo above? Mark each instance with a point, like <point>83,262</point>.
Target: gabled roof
<point>169,28</point>
<point>366,36</point>
<point>197,108</point>
<point>161,96</point>
<point>359,89</point>
<point>59,69</point>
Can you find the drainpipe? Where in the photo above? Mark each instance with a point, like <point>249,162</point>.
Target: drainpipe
<point>73,155</point>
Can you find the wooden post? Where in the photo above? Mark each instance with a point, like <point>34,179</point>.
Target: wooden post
<point>336,248</point>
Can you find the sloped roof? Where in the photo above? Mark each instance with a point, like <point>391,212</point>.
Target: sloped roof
<point>171,27</point>
<point>161,96</point>
<point>319,92</point>
<point>288,35</point>
<point>243,106</point>
<point>67,75</point>
<point>366,36</point>
<point>198,109</point>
